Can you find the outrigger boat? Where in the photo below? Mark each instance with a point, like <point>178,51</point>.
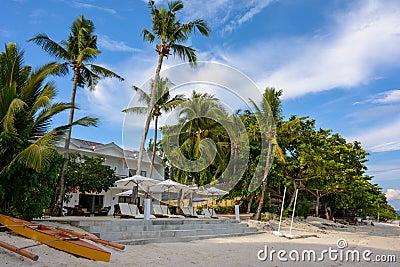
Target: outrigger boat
<point>56,239</point>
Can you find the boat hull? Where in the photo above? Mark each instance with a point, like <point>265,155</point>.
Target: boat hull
<point>55,239</point>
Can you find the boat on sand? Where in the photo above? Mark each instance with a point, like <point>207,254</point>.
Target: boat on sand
<point>56,239</point>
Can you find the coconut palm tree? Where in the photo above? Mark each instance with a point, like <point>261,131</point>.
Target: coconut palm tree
<point>199,117</point>
<point>268,111</point>
<point>169,33</point>
<point>164,102</point>
<point>26,111</point>
<point>77,53</point>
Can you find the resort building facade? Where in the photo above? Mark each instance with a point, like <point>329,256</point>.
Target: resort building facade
<point>123,161</point>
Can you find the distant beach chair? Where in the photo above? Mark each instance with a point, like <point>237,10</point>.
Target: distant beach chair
<point>206,213</point>
<point>158,212</point>
<point>125,211</point>
<point>193,213</point>
<point>167,212</point>
<point>213,213</point>
<point>186,212</point>
<point>136,213</point>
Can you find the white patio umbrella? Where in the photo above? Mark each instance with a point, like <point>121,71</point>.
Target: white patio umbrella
<point>137,180</point>
<point>213,192</point>
<point>126,193</point>
<point>170,185</point>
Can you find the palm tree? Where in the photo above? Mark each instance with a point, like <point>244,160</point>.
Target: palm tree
<point>77,52</point>
<point>198,121</point>
<point>169,34</point>
<point>26,112</point>
<point>268,111</point>
<point>164,102</point>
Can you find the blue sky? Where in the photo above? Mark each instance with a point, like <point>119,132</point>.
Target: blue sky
<point>336,61</point>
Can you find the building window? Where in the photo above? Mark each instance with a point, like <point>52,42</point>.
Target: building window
<point>132,172</point>
<point>143,173</point>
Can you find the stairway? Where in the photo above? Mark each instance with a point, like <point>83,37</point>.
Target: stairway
<point>135,232</point>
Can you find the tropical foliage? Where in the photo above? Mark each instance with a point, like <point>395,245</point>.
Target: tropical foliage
<point>164,103</point>
<point>77,53</point>
<point>170,34</point>
<point>26,111</point>
<point>88,174</point>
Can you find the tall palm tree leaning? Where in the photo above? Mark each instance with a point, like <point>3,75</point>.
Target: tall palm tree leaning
<point>77,52</point>
<point>164,102</point>
<point>269,110</point>
<point>169,33</point>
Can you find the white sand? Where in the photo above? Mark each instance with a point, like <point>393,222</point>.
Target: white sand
<point>382,239</point>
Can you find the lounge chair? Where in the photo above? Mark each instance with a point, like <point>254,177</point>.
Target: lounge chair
<point>194,213</point>
<point>136,213</point>
<point>186,212</point>
<point>125,211</point>
<point>206,213</point>
<point>190,212</point>
<point>103,212</point>
<point>166,211</point>
<point>213,213</point>
<point>158,212</point>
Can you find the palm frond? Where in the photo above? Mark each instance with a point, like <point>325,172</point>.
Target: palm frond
<point>51,47</point>
<point>148,36</point>
<point>185,53</point>
<point>87,54</point>
<point>175,6</point>
<point>136,110</point>
<point>104,73</point>
<point>16,106</point>
<point>37,155</point>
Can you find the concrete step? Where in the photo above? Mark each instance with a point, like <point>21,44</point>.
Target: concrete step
<point>180,239</point>
<point>137,231</point>
<point>161,234</point>
<point>154,227</point>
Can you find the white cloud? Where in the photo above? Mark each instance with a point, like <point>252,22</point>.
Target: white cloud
<point>389,97</point>
<point>393,194</point>
<point>380,138</point>
<point>89,6</point>
<point>107,43</point>
<point>221,14</point>
<point>349,53</point>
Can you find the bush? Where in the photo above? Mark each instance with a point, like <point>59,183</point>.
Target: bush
<point>225,209</point>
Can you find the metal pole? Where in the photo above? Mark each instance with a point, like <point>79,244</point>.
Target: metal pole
<point>283,203</point>
<point>294,208</point>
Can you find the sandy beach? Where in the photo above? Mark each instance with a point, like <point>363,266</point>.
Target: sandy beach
<point>317,243</point>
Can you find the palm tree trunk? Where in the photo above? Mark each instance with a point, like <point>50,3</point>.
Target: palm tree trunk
<point>264,183</point>
<point>317,205</point>
<point>149,112</point>
<point>57,208</point>
<point>250,203</point>
<point>294,194</point>
<point>154,145</point>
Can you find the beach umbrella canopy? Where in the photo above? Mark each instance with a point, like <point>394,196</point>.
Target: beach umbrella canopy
<point>213,191</point>
<point>126,193</point>
<point>170,186</point>
<point>137,180</point>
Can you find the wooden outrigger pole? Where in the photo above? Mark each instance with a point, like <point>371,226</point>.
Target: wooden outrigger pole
<point>94,239</point>
<point>20,251</point>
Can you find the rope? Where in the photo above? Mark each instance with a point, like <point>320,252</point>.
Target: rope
<point>51,241</point>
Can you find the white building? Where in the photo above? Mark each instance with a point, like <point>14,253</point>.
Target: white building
<point>123,161</point>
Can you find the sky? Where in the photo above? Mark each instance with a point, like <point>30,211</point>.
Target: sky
<point>336,61</point>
